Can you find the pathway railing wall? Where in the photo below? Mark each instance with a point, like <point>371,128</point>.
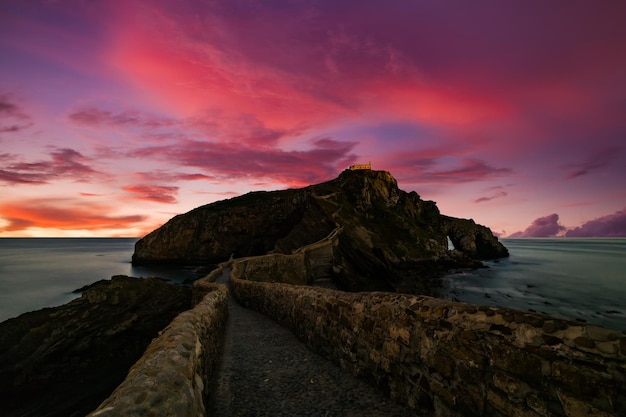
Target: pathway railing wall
<point>174,374</point>
<point>307,264</point>
<point>452,358</point>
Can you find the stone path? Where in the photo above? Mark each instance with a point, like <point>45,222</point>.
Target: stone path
<point>266,371</point>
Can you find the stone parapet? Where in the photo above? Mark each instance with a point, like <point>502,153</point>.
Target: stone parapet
<point>453,358</point>
<point>277,267</point>
<point>174,373</point>
<point>203,286</point>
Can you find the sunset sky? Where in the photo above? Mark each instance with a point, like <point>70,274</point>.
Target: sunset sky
<point>116,115</point>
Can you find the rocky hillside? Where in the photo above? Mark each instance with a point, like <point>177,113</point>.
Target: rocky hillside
<point>64,361</point>
<point>390,240</point>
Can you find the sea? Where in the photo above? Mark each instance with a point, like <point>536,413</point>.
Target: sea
<point>575,279</point>
<point>43,272</point>
<point>580,279</point>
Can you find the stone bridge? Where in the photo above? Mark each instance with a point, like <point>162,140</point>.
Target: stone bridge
<point>431,356</point>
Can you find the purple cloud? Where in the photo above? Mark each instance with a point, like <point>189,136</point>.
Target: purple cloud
<point>155,193</point>
<point>171,176</point>
<point>428,170</point>
<point>63,163</point>
<point>591,163</point>
<point>231,160</point>
<point>499,194</point>
<point>12,118</point>
<point>547,226</point>
<point>612,225</point>
<point>92,116</point>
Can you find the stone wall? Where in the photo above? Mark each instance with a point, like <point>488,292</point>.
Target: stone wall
<point>305,266</point>
<point>319,259</point>
<point>174,373</point>
<point>277,267</point>
<point>453,358</point>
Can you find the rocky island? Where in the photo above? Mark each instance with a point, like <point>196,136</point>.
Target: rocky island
<point>389,240</point>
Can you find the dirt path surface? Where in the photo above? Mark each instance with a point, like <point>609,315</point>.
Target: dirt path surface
<point>266,371</point>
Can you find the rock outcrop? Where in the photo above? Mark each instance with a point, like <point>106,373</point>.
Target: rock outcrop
<point>473,239</point>
<point>65,360</point>
<point>390,239</point>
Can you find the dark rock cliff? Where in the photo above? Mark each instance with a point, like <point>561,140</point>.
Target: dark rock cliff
<point>472,239</point>
<point>64,361</point>
<point>390,240</point>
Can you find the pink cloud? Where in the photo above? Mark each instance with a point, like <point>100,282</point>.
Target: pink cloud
<point>62,214</point>
<point>612,225</point>
<point>547,226</point>
<point>470,170</point>
<point>63,163</point>
<point>242,66</point>
<point>160,175</point>
<point>493,196</point>
<point>224,194</point>
<point>192,68</point>
<point>154,193</point>
<point>217,124</point>
<point>445,169</point>
<point>298,167</point>
<point>96,117</point>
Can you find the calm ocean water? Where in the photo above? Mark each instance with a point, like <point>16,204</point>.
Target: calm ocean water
<point>569,278</point>
<point>43,272</point>
<point>582,279</point>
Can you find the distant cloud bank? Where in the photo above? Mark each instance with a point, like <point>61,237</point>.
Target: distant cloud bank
<point>612,225</point>
<point>547,226</point>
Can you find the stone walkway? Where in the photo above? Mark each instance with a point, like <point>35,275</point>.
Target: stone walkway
<point>266,371</point>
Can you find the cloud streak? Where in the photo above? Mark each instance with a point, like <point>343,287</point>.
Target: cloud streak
<point>161,175</point>
<point>95,117</point>
<point>154,193</point>
<point>64,163</point>
<point>63,214</point>
<point>12,118</point>
<point>499,194</point>
<point>445,168</point>
<point>231,160</point>
<point>595,162</point>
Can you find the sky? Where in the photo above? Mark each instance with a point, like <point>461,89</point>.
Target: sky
<point>117,115</point>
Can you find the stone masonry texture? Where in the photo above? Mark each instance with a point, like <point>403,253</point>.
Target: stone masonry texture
<point>265,371</point>
<point>173,376</point>
<point>450,358</point>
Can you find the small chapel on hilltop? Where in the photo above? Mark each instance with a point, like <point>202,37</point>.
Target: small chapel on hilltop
<point>357,167</point>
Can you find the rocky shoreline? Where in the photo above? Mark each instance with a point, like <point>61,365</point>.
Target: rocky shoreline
<point>64,361</point>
